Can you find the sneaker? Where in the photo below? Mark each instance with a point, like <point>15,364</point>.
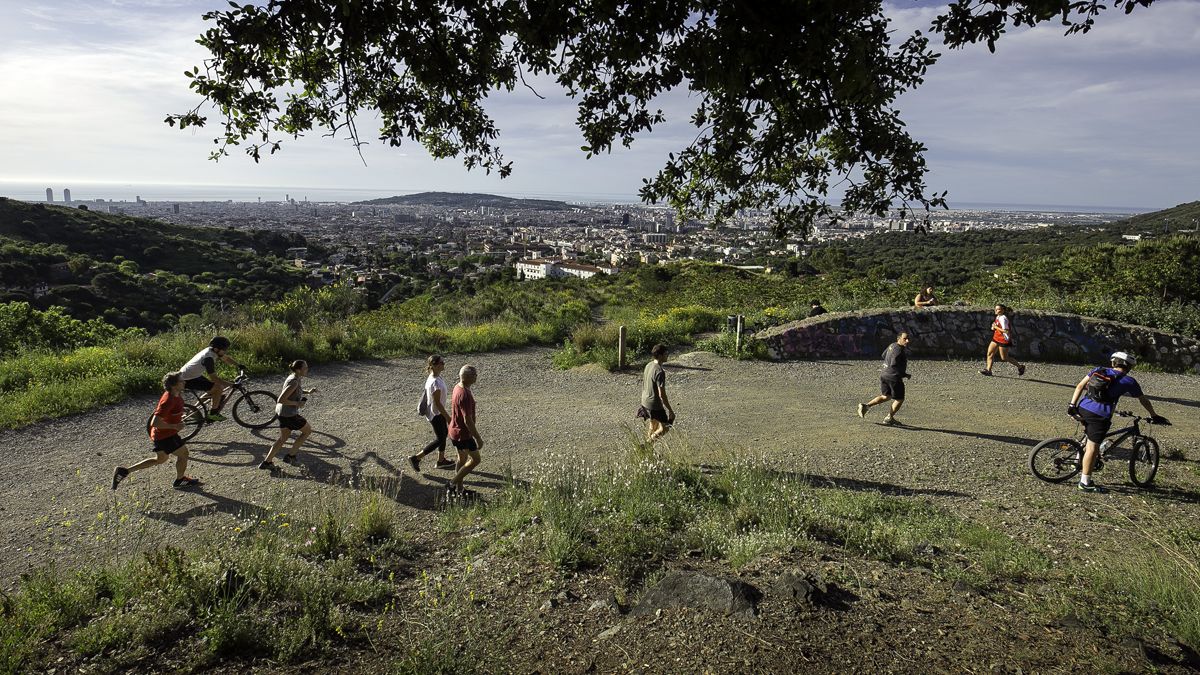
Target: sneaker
<point>291,459</point>
<point>446,464</point>
<point>119,474</point>
<point>214,417</point>
<point>985,371</point>
<point>890,421</point>
<point>186,482</point>
<point>1091,487</point>
<point>1021,370</point>
<point>862,410</point>
<point>267,465</point>
<point>415,463</point>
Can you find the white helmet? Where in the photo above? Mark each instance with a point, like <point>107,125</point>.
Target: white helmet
<point>1123,359</point>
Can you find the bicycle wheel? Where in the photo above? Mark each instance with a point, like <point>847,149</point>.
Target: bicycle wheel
<point>193,421</point>
<point>1143,461</point>
<point>255,409</point>
<point>1056,460</point>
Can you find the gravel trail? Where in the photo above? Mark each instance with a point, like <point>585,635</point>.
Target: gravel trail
<point>965,448</point>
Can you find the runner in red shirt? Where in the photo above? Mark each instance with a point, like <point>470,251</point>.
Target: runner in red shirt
<point>1002,341</point>
<point>164,433</point>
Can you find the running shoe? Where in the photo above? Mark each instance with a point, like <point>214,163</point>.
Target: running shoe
<point>291,459</point>
<point>119,474</point>
<point>214,417</point>
<point>985,371</point>
<point>862,410</point>
<point>1021,370</point>
<point>446,464</point>
<point>415,463</point>
<point>892,421</point>
<point>1091,487</point>
<point>186,482</point>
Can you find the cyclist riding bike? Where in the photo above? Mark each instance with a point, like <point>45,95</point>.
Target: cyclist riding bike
<point>200,374</point>
<point>1093,402</point>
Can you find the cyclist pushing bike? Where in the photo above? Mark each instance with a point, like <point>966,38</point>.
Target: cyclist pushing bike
<point>1093,402</point>
<point>200,374</point>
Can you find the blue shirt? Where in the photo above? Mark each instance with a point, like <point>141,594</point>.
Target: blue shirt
<point>1117,389</point>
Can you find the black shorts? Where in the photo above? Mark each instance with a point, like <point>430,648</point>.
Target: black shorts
<point>293,422</point>
<point>169,444</point>
<point>657,415</point>
<point>467,444</point>
<point>198,384</point>
<point>1095,427</point>
<point>892,388</point>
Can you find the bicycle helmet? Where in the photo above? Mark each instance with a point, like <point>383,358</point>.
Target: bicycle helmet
<point>1123,359</point>
<point>219,342</point>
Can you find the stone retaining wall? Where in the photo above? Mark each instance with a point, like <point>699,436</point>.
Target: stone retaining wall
<point>965,332</point>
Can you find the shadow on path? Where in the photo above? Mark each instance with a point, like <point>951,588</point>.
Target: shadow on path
<point>238,454</point>
<point>853,484</point>
<point>220,504</point>
<point>1012,440</point>
<point>677,366</point>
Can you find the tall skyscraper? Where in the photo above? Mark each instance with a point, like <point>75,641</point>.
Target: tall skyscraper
<point>67,195</point>
<point>49,194</point>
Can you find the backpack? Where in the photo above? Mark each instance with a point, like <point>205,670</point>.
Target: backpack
<point>1099,386</point>
<point>423,404</point>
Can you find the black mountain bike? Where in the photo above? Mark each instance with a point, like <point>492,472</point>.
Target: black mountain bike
<point>251,409</point>
<point>1058,459</point>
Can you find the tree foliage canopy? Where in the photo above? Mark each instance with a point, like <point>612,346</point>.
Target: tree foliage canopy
<point>795,99</point>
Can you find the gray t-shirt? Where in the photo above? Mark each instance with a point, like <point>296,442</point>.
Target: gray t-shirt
<point>290,410</point>
<point>895,361</point>
<point>653,377</point>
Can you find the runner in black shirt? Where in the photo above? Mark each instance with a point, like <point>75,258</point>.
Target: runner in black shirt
<point>891,380</point>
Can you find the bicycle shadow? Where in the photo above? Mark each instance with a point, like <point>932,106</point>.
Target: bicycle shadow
<point>1170,494</point>
<point>219,504</point>
<point>252,452</point>
<point>852,484</point>
<point>1000,438</point>
<point>330,447</point>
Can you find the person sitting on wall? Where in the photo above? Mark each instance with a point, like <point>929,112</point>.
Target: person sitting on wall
<point>925,298</point>
<point>817,309</point>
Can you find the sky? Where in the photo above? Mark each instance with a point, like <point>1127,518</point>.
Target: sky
<point>1102,119</point>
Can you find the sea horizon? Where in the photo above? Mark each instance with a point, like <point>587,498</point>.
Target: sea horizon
<point>118,192</point>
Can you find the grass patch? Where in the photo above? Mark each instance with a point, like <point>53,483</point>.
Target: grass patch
<point>1158,581</point>
<point>286,587</point>
<point>626,518</point>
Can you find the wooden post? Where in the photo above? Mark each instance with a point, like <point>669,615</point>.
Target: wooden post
<point>737,348</point>
<point>621,347</point>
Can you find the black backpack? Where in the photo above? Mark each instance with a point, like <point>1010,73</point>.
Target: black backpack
<point>1099,386</point>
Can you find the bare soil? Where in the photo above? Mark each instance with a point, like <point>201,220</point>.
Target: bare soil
<point>964,449</point>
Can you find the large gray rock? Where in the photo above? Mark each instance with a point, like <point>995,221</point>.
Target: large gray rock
<point>730,597</point>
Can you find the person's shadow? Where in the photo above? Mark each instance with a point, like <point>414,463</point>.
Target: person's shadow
<point>853,484</point>
<point>1012,440</point>
<point>219,504</point>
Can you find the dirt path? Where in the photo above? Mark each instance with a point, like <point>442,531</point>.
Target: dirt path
<point>965,449</point>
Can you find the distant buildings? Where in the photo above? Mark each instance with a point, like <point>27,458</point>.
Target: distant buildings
<point>67,195</point>
<point>541,268</point>
<point>50,194</point>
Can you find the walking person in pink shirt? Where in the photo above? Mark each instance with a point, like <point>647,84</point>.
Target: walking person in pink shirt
<point>463,433</point>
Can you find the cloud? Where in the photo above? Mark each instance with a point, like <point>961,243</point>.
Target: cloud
<point>1100,118</point>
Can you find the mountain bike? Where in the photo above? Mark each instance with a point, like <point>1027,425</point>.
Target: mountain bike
<point>252,409</point>
<point>1058,459</point>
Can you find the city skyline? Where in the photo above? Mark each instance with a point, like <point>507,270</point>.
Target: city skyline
<point>1102,119</point>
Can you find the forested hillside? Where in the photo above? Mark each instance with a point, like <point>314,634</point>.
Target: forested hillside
<point>134,271</point>
<point>953,258</point>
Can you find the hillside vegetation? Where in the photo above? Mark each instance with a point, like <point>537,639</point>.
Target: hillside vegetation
<point>133,271</point>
